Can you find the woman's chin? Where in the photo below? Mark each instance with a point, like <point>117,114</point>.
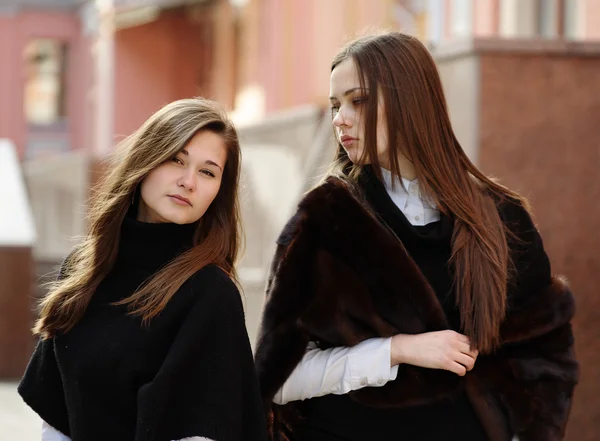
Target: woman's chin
<point>356,157</point>
<point>357,161</point>
<point>181,218</point>
<point>352,156</point>
<point>171,218</point>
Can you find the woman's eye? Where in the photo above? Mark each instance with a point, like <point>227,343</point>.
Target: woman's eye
<point>359,101</point>
<point>177,160</point>
<point>334,110</point>
<point>208,173</point>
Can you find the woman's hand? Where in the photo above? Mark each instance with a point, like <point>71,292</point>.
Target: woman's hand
<point>447,350</point>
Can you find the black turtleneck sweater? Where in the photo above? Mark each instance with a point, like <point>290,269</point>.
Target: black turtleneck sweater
<point>189,373</point>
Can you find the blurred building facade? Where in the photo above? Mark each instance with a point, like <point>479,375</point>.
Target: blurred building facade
<point>520,77</point>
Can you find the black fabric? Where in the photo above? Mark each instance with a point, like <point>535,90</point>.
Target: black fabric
<point>188,373</point>
<point>340,276</point>
<point>339,417</point>
<point>429,246</point>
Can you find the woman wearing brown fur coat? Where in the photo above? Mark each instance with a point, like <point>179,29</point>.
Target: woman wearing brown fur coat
<point>410,297</point>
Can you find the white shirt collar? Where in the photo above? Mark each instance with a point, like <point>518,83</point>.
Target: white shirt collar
<point>406,195</point>
<point>402,191</point>
<point>388,178</point>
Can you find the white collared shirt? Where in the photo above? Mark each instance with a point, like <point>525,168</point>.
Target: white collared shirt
<point>343,369</point>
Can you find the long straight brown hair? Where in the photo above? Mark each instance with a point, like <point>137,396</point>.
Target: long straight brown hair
<point>419,127</point>
<point>216,239</point>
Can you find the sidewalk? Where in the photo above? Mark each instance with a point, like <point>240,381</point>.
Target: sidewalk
<point>17,421</point>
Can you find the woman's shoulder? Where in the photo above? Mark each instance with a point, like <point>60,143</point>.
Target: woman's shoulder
<point>331,187</point>
<point>524,239</point>
<point>323,206</point>
<point>213,284</point>
<point>68,263</point>
<point>516,215</point>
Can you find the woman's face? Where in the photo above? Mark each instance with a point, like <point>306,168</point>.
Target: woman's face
<point>348,104</point>
<point>181,190</point>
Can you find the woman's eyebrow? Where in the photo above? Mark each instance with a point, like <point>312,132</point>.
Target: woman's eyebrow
<point>349,91</point>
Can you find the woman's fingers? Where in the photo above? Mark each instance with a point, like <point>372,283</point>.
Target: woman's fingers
<point>457,368</point>
<point>463,338</point>
<point>465,348</point>
<point>466,360</point>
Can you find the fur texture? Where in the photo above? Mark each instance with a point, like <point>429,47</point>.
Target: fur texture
<point>339,277</point>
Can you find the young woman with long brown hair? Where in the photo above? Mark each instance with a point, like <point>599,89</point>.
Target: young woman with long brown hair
<point>142,337</point>
<point>410,297</point>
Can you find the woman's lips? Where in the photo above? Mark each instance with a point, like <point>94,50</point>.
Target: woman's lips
<point>180,200</point>
<point>347,140</point>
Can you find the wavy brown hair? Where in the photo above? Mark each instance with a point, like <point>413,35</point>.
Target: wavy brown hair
<point>216,239</point>
<point>418,126</point>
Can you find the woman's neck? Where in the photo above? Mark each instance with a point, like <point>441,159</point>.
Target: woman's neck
<point>406,166</point>
<point>152,245</point>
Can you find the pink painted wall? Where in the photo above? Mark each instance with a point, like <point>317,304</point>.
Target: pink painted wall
<point>271,49</point>
<point>299,63</point>
<point>447,31</point>
<point>15,32</point>
<point>155,64</point>
<point>11,113</point>
<point>298,39</point>
<point>332,32</point>
<point>592,20</point>
<point>486,18</point>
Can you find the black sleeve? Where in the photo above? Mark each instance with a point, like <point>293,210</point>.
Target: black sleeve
<point>538,353</point>
<point>206,385</point>
<point>531,265</point>
<point>281,340</point>
<point>538,302</point>
<point>41,386</point>
<point>42,389</point>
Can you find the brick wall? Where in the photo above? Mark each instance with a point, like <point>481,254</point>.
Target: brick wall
<point>15,310</point>
<point>539,131</point>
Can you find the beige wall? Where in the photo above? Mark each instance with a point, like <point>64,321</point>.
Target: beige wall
<point>460,78</point>
<point>277,162</point>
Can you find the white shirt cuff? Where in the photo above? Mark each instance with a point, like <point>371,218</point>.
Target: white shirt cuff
<point>369,364</point>
<point>196,438</point>
<point>49,433</point>
<point>339,370</point>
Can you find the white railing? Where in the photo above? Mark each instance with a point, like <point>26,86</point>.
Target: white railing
<point>58,189</point>
<point>283,155</point>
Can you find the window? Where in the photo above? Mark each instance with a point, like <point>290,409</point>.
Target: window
<point>45,97</point>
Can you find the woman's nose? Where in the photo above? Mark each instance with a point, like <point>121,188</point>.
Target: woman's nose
<point>188,181</point>
<point>340,119</point>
